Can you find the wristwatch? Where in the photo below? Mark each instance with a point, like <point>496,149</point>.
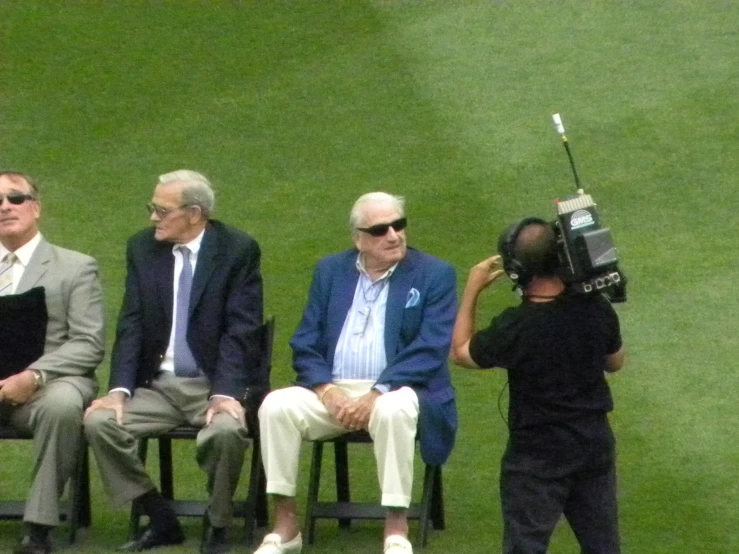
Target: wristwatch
<point>38,378</point>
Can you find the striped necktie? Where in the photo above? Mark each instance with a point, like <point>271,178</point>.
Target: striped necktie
<point>6,274</point>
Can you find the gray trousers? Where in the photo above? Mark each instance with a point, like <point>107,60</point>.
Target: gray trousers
<point>54,416</point>
<point>170,402</point>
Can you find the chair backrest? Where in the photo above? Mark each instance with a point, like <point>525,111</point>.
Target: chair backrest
<point>267,341</point>
<point>254,396</point>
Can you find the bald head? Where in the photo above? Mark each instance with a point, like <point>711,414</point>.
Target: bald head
<point>536,250</point>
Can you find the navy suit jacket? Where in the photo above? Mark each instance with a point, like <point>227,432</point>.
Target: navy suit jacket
<point>226,311</point>
<point>419,318</point>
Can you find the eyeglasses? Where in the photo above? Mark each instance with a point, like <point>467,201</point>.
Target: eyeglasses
<point>162,212</point>
<point>381,229</point>
<point>16,198</point>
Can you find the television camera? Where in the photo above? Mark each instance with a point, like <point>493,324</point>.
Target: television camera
<point>588,258</point>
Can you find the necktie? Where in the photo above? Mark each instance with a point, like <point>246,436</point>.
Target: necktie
<point>184,363</point>
<point>6,274</point>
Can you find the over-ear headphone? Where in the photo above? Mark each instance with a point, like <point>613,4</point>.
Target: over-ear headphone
<point>518,273</point>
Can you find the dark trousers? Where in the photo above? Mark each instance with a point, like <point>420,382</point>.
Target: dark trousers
<point>535,493</point>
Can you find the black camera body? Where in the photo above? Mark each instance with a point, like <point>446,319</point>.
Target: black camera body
<point>587,254</point>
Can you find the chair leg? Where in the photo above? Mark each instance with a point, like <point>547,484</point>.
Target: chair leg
<point>262,510</point>
<point>341,459</point>
<point>166,481</point>
<point>134,520</point>
<point>313,487</point>
<point>437,504</point>
<point>253,495</point>
<point>79,490</point>
<point>429,477</point>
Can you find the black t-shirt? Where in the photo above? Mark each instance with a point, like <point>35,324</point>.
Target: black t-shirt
<point>555,354</point>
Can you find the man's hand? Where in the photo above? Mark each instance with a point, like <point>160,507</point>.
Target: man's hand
<point>225,405</point>
<point>111,401</point>
<point>359,416</point>
<point>18,388</point>
<point>338,404</point>
<point>484,274</point>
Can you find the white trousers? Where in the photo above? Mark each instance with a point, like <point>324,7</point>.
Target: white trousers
<point>294,414</point>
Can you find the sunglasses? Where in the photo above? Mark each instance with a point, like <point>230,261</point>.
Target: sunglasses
<point>381,229</point>
<point>16,198</point>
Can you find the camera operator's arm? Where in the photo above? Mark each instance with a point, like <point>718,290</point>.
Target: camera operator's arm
<point>481,276</point>
<point>615,361</point>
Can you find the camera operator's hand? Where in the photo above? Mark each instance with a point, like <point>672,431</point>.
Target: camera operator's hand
<point>484,274</point>
<point>481,277</point>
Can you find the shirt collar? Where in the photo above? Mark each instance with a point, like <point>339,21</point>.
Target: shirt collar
<point>25,252</point>
<point>360,267</point>
<point>193,245</point>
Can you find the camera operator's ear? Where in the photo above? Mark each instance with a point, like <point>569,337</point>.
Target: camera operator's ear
<point>518,273</point>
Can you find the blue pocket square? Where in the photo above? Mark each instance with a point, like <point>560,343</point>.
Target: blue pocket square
<point>413,297</point>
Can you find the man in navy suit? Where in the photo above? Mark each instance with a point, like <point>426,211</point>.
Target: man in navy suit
<point>370,353</point>
<point>181,358</point>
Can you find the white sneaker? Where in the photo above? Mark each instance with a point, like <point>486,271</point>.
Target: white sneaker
<point>397,544</point>
<point>272,544</point>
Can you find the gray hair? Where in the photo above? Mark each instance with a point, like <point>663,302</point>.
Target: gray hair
<point>196,189</point>
<point>358,212</point>
<point>18,178</point>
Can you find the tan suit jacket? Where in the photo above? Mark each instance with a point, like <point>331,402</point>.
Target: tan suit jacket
<point>75,334</point>
<point>75,345</point>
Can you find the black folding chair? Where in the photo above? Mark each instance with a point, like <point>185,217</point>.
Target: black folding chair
<point>430,510</point>
<point>254,508</point>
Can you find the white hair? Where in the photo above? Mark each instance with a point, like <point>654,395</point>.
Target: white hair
<point>196,189</point>
<point>358,212</point>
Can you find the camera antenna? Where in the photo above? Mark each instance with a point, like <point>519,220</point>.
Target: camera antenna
<point>560,128</point>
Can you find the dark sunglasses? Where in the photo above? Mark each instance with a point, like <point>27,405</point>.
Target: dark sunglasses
<point>16,198</point>
<point>380,230</point>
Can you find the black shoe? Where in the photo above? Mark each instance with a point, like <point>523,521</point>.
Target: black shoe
<point>30,545</point>
<point>214,538</point>
<point>153,538</point>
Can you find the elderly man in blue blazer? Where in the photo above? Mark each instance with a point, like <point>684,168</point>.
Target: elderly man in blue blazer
<point>370,353</point>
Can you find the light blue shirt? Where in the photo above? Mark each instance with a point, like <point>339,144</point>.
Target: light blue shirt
<point>360,350</point>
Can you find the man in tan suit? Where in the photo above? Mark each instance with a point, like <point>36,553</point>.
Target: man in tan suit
<point>49,397</point>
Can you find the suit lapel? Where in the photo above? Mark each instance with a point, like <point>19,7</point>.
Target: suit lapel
<point>400,284</point>
<point>37,267</point>
<point>342,297</point>
<point>160,264</point>
<point>206,265</point>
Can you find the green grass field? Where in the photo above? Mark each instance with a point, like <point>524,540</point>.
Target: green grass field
<point>293,109</point>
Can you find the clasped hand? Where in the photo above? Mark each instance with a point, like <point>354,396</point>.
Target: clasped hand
<point>352,413</point>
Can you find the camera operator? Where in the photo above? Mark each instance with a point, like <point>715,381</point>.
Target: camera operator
<point>557,346</point>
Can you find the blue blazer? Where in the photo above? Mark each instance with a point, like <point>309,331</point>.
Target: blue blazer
<point>419,319</point>
<point>226,311</point>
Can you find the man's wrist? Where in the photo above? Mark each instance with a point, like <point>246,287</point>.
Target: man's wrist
<point>323,389</point>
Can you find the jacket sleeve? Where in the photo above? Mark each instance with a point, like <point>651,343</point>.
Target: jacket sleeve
<point>309,344</point>
<point>239,348</point>
<point>126,354</point>
<point>83,347</point>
